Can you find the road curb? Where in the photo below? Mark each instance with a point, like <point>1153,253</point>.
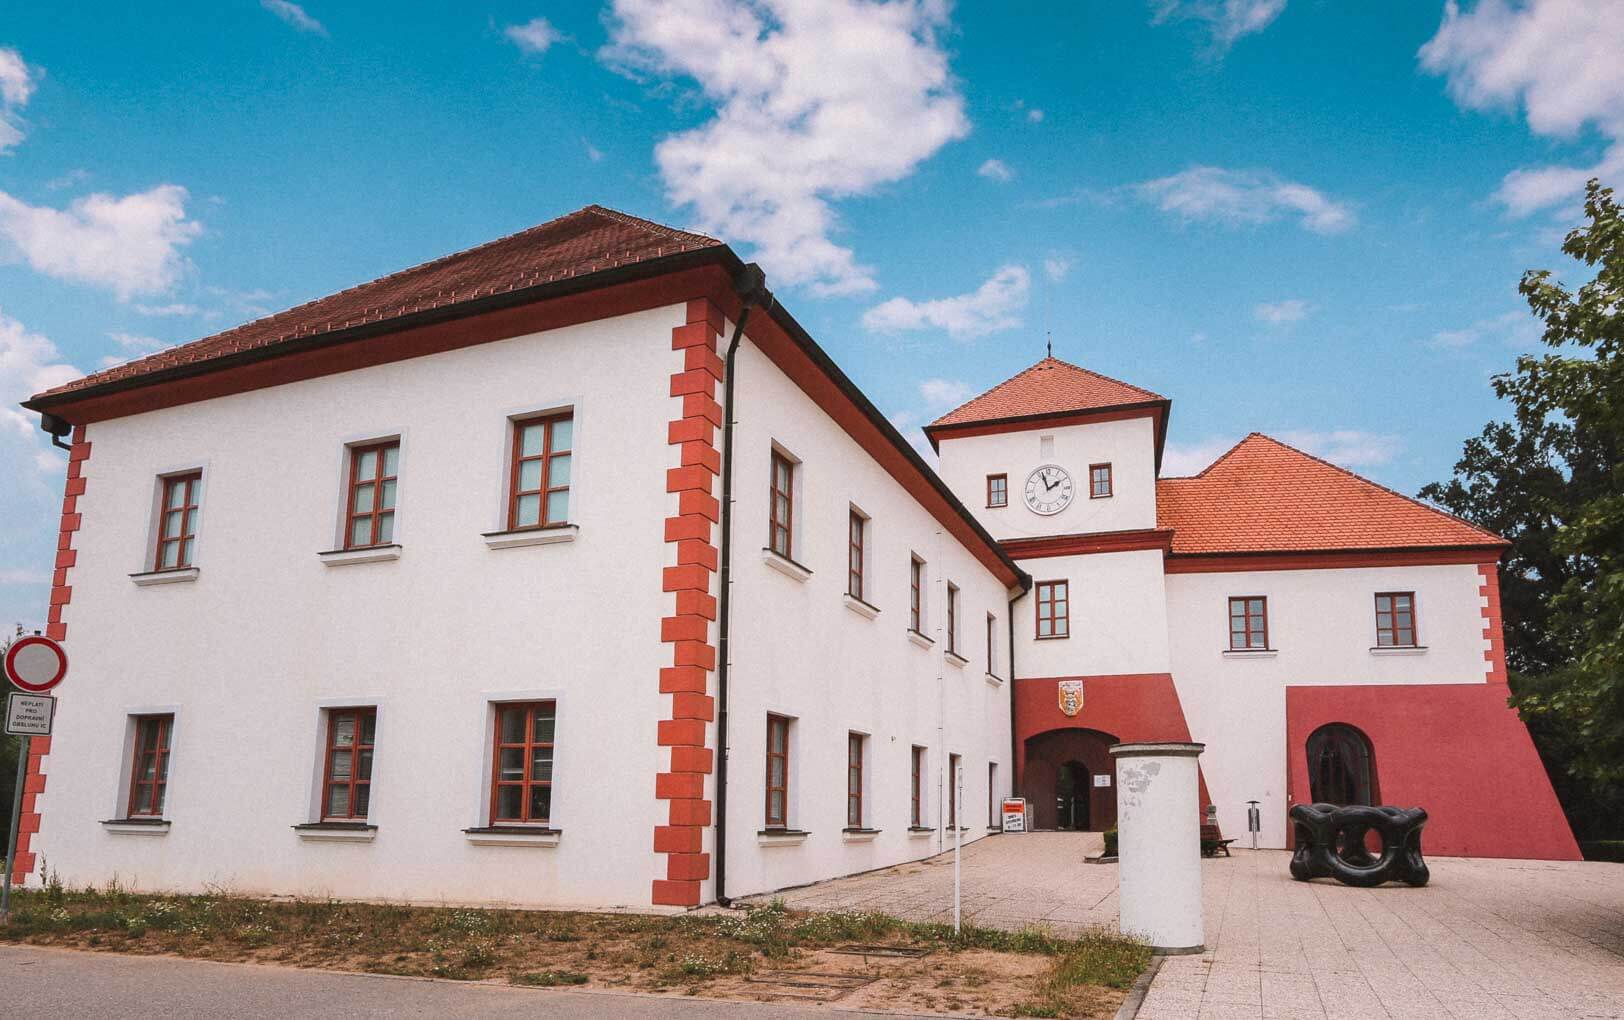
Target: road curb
<point>1141,987</point>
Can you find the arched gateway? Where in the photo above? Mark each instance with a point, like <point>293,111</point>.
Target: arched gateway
<point>1060,784</point>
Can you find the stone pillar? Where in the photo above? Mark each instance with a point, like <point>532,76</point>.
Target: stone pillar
<point>1159,844</point>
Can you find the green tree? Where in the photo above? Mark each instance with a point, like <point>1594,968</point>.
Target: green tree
<point>1552,481</point>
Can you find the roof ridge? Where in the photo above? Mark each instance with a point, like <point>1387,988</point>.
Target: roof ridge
<point>1102,375</point>
<point>408,289</point>
<point>1375,484</point>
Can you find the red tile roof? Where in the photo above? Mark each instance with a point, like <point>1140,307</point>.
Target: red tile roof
<point>1265,496</point>
<point>586,241</point>
<point>1051,386</point>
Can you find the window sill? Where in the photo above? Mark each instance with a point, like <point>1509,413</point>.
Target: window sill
<point>956,659</point>
<point>1052,637</point>
<point>368,554</point>
<point>919,639</point>
<point>859,835</point>
<point>784,565</point>
<point>337,832</point>
<point>920,831</point>
<point>997,506</point>
<point>993,680</point>
<point>781,837</point>
<point>531,536</point>
<point>860,607</point>
<point>136,826</point>
<point>152,577</point>
<point>512,835</point>
<point>1399,650</point>
<point>1250,653</point>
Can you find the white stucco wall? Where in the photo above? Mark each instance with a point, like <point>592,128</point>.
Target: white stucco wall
<point>1128,446</point>
<point>1323,624</point>
<point>248,655</point>
<point>1118,620</point>
<point>799,651</point>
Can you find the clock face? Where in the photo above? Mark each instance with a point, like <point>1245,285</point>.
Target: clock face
<point>1048,490</point>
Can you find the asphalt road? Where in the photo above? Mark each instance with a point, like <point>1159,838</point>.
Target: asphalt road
<point>49,983</point>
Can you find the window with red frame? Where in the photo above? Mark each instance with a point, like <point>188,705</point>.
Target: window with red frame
<point>1054,609</point>
<point>539,483</point>
<point>1099,481</point>
<point>997,490</point>
<point>992,645</point>
<point>952,790</point>
<point>177,522</point>
<point>370,510</point>
<point>854,780</point>
<point>1395,619</point>
<point>347,786</point>
<point>1248,623</point>
<point>781,507</point>
<point>522,763</point>
<point>777,772</point>
<point>952,619</point>
<point>149,772</point>
<point>858,529</point>
<point>916,595</point>
<point>916,818</point>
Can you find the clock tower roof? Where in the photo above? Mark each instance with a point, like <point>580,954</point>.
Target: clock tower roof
<point>1050,392</point>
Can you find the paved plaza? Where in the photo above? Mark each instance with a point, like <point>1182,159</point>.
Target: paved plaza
<point>1486,939</point>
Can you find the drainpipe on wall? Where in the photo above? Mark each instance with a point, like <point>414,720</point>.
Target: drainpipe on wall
<point>751,286</point>
<point>1015,775</point>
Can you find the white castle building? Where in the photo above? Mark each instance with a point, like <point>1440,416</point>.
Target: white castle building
<point>569,570</point>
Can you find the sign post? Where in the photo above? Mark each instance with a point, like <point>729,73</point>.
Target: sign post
<point>34,665</point>
<point>958,844</point>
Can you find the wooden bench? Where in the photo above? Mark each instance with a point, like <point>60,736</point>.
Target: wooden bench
<point>1213,842</point>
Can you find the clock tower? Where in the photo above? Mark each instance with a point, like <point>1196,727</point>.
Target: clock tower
<point>1060,464</point>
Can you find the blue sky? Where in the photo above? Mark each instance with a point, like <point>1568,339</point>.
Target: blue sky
<point>1306,218</point>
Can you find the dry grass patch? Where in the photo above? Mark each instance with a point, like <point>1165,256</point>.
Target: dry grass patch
<point>765,953</point>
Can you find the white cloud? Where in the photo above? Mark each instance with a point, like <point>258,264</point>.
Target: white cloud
<point>31,497</point>
<point>593,153</point>
<point>993,306</point>
<point>1559,61</point>
<point>945,392</point>
<point>294,15</point>
<point>1349,448</point>
<point>167,310</point>
<point>17,84</point>
<point>815,102</point>
<point>1279,313</point>
<point>1035,116</point>
<point>1227,20</point>
<point>1237,197</point>
<point>1056,268</point>
<point>996,170</point>
<point>1516,329</point>
<point>535,36</point>
<point>130,245</point>
<point>1180,459</point>
<point>131,346</point>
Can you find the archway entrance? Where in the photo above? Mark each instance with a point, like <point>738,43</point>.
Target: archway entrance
<point>1059,780</point>
<point>1072,793</point>
<point>1341,768</point>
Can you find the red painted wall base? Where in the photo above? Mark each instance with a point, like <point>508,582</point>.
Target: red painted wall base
<point>1131,707</point>
<point>1457,750</point>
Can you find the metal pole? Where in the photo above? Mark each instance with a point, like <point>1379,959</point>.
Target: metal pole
<point>16,819</point>
<point>958,845</point>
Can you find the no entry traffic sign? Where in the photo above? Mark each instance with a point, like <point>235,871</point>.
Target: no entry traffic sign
<point>36,664</point>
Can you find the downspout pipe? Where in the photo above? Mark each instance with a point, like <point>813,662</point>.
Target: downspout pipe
<point>1014,732</point>
<point>751,286</point>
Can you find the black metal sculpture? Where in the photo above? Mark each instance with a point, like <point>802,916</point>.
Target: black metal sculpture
<point>1331,843</point>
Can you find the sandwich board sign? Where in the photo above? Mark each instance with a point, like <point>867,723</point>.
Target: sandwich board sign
<point>29,715</point>
<point>1014,812</point>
